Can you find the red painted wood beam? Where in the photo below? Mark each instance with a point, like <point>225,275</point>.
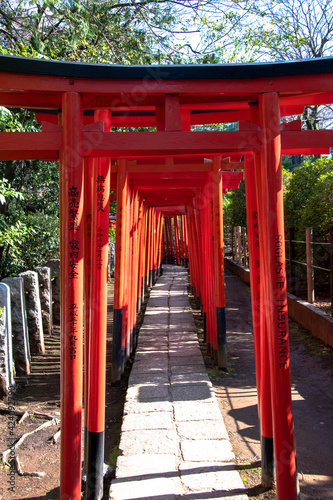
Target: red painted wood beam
<point>167,176</point>
<point>31,141</point>
<point>160,167</point>
<point>167,184</point>
<point>36,101</point>
<point>154,202</point>
<point>183,167</point>
<point>170,212</point>
<point>125,91</point>
<point>159,143</point>
<point>52,155</point>
<point>104,144</point>
<point>294,139</point>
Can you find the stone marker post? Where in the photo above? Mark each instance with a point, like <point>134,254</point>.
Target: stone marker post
<point>21,350</point>
<point>34,312</point>
<point>6,348</point>
<point>45,294</point>
<point>54,265</point>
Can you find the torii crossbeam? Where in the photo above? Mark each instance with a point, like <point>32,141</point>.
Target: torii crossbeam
<point>78,104</point>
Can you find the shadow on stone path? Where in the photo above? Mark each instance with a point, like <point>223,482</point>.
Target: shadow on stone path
<point>174,443</point>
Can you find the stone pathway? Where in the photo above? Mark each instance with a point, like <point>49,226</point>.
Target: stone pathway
<point>174,443</point>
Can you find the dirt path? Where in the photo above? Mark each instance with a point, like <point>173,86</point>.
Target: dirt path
<point>312,376</point>
<point>312,386</point>
<point>41,393</point>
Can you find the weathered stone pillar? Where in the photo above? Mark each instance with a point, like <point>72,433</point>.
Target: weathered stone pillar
<point>112,255</point>
<point>54,265</point>
<point>34,313</point>
<point>6,349</point>
<point>45,294</point>
<point>21,350</point>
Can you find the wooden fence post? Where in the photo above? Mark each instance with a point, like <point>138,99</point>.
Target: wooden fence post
<point>239,245</point>
<point>309,264</point>
<point>244,246</point>
<point>331,267</point>
<point>291,260</point>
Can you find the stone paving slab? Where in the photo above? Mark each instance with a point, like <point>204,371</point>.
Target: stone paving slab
<point>133,406</point>
<point>189,379</point>
<point>174,444</point>
<point>148,379</point>
<point>143,393</point>
<point>202,429</point>
<point>150,466</point>
<point>212,476</point>
<point>149,441</point>
<point>200,392</point>
<point>151,420</point>
<point>188,411</point>
<point>207,450</point>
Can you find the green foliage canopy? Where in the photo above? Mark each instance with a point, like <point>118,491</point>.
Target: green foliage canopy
<point>309,198</point>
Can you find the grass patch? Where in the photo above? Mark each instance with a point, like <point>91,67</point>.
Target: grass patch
<point>113,457</point>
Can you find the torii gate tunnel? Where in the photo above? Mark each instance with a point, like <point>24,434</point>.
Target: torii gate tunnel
<point>169,185</point>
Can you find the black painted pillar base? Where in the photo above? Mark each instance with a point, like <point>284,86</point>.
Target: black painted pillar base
<point>267,462</point>
<point>130,346</point>
<point>205,326</point>
<point>116,368</point>
<point>124,358</point>
<point>139,303</point>
<point>134,337</point>
<point>222,356</point>
<point>85,449</point>
<point>95,462</point>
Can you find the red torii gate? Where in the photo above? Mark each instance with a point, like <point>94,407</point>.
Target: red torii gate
<point>78,104</point>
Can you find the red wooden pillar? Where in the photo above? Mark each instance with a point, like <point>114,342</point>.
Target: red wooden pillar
<point>135,265</point>
<point>199,232</point>
<point>127,276</point>
<point>270,199</point>
<point>119,276</point>
<point>252,174</point>
<point>186,241</point>
<point>161,244</point>
<point>166,240</point>
<point>169,230</point>
<point>204,259</point>
<point>153,248</point>
<point>196,250</point>
<point>71,245</point>
<point>97,343</point>
<point>175,224</point>
<point>181,241</point>
<point>210,266</point>
<point>88,188</point>
<point>222,359</point>
<point>148,249</point>
<point>193,269</point>
<point>159,235</point>
<point>189,247</point>
<point>141,256</point>
<point>144,244</point>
